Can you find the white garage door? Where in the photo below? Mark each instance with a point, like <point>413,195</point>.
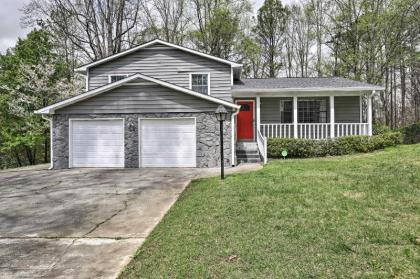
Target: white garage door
<point>97,143</point>
<point>167,142</point>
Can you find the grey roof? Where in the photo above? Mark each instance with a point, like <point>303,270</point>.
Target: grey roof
<point>303,83</point>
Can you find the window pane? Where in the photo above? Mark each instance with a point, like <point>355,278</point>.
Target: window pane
<point>312,111</point>
<point>115,78</point>
<point>199,83</point>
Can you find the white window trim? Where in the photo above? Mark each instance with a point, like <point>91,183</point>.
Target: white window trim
<point>164,118</point>
<point>70,142</point>
<point>200,73</point>
<point>113,75</point>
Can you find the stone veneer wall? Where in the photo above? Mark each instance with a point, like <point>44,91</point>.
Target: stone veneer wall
<point>208,148</point>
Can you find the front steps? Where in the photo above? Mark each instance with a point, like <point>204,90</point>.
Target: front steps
<point>247,152</point>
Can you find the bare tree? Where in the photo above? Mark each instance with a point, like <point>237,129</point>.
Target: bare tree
<point>96,28</point>
<point>167,19</point>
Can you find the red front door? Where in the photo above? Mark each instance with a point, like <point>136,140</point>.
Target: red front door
<point>245,128</point>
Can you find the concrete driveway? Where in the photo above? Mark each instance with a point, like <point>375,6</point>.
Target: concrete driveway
<point>84,223</point>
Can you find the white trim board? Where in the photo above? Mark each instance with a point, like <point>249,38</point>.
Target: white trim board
<point>50,109</point>
<point>157,41</point>
<point>305,93</point>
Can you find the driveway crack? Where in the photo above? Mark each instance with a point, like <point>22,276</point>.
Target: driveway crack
<point>107,219</point>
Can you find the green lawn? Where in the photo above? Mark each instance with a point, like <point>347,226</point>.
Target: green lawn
<point>343,217</point>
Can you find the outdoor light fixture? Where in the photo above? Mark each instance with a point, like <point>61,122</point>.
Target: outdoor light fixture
<point>221,115</point>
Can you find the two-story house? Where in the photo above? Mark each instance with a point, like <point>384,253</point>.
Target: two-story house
<point>154,106</point>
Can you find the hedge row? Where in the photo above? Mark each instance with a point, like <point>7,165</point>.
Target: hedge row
<point>304,148</point>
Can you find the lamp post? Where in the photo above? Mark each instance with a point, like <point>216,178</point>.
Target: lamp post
<point>221,114</point>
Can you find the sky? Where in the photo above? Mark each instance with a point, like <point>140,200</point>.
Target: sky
<point>11,29</point>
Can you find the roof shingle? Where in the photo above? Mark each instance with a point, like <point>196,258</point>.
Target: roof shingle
<point>301,83</point>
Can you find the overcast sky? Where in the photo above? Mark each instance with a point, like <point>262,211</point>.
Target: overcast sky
<point>11,29</point>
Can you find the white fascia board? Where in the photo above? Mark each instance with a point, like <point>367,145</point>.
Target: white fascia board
<point>50,109</point>
<point>84,68</point>
<point>309,89</point>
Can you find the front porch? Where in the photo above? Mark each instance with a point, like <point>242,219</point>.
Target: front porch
<point>308,108</point>
<point>311,117</point>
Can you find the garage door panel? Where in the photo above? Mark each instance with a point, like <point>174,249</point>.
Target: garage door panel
<point>167,162</point>
<point>167,142</point>
<point>98,137</point>
<point>95,148</point>
<point>96,130</point>
<point>176,140</point>
<point>97,163</point>
<point>97,143</point>
<point>94,144</point>
<point>168,130</point>
<point>95,154</point>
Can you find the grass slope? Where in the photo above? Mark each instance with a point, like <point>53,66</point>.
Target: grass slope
<point>343,217</point>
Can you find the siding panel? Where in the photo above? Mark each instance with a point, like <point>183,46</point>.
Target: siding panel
<point>270,110</point>
<point>347,109</point>
<point>169,64</point>
<point>140,99</point>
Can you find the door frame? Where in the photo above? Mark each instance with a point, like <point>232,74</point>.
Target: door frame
<point>253,118</point>
<point>166,118</point>
<point>70,138</point>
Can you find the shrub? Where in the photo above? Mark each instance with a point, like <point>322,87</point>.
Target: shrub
<point>386,140</point>
<point>299,148</point>
<point>379,129</point>
<point>411,133</point>
<point>304,148</point>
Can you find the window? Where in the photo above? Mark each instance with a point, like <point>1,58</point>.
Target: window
<point>245,107</point>
<point>312,111</point>
<point>286,111</point>
<point>200,83</point>
<point>114,78</point>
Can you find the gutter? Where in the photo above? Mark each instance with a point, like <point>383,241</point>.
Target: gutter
<point>233,152</point>
<point>49,119</point>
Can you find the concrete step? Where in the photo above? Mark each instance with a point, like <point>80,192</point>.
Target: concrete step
<point>245,161</point>
<point>247,146</point>
<point>247,152</point>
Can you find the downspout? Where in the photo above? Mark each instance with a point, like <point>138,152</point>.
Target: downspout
<point>49,119</point>
<point>232,121</point>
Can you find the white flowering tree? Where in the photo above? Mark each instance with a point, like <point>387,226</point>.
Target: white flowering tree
<point>29,83</point>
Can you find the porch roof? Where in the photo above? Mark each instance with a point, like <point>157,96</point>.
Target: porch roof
<point>315,84</point>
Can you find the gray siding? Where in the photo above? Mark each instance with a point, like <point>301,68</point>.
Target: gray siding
<point>166,63</point>
<point>270,110</point>
<point>140,99</point>
<point>347,109</point>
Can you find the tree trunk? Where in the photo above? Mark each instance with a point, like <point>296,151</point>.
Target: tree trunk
<point>403,90</point>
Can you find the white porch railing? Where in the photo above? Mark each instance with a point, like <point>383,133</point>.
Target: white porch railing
<point>350,129</point>
<point>262,146</point>
<point>313,130</point>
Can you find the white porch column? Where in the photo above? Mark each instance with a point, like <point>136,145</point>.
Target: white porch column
<point>258,108</point>
<point>295,117</point>
<point>332,117</point>
<point>369,112</point>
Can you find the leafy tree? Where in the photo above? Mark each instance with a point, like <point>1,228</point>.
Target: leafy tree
<point>32,77</point>
<point>217,37</point>
<point>270,31</point>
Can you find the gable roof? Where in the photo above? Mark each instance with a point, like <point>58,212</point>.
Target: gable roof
<point>156,41</point>
<point>303,84</point>
<point>50,109</point>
